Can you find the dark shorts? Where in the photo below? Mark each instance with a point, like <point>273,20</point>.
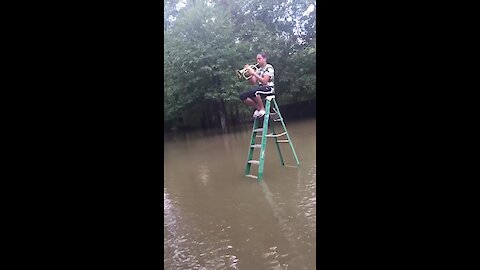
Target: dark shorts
<point>259,90</point>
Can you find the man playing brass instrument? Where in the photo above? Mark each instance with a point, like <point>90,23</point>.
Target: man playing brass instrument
<point>264,78</point>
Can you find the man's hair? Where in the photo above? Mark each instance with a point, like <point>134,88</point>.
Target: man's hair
<point>264,55</point>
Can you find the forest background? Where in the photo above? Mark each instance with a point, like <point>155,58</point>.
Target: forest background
<point>206,41</point>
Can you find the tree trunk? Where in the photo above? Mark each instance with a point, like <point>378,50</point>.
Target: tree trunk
<point>222,113</point>
<point>213,113</point>
<point>204,119</point>
<point>233,119</point>
<point>209,114</point>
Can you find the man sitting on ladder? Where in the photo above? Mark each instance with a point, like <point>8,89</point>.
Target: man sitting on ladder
<point>264,78</point>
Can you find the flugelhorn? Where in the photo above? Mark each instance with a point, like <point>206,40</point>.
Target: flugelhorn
<point>243,72</point>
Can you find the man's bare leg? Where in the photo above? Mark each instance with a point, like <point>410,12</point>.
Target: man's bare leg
<point>252,103</point>
<point>260,108</point>
<point>260,103</point>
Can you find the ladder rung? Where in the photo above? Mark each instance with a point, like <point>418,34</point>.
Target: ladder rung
<point>258,130</point>
<point>252,176</point>
<point>260,136</point>
<point>256,146</point>
<point>279,119</point>
<point>283,141</point>
<point>256,162</point>
<point>271,135</point>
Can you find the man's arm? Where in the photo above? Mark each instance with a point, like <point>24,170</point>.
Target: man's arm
<point>264,80</point>
<point>250,71</point>
<point>253,80</point>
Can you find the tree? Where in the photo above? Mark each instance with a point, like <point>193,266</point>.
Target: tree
<point>206,41</point>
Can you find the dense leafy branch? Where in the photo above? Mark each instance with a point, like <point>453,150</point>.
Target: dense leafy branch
<point>205,41</point>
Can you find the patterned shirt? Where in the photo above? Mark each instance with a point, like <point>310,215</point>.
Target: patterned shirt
<point>267,70</point>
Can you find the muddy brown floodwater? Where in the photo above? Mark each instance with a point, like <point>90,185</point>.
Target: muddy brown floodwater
<point>215,218</point>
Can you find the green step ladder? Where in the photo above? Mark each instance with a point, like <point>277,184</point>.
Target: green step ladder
<point>276,117</point>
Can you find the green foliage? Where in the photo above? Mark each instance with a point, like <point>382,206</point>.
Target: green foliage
<point>207,40</point>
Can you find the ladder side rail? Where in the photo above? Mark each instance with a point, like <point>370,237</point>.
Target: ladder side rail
<point>250,148</point>
<point>285,128</point>
<point>264,140</point>
<point>278,146</point>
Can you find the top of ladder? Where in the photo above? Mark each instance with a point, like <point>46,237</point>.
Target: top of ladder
<point>270,97</point>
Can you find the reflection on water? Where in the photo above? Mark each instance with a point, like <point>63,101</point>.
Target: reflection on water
<point>215,218</point>
<point>285,229</point>
<point>203,173</point>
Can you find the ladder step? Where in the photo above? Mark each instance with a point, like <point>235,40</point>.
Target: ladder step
<point>271,135</point>
<point>256,162</point>
<point>252,176</point>
<point>283,141</point>
<point>256,146</point>
<point>279,119</point>
<point>274,116</point>
<point>258,130</point>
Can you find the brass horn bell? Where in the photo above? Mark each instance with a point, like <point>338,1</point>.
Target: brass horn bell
<point>243,72</point>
